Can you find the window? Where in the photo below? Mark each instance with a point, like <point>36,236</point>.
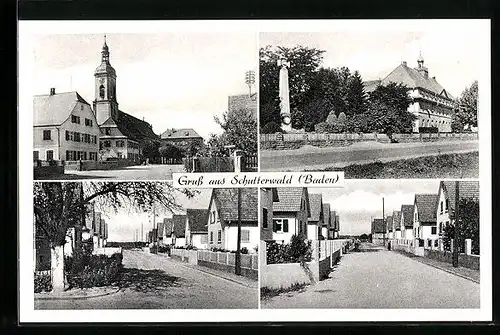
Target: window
<point>440,227</point>
<point>46,135</point>
<point>211,237</point>
<point>36,155</point>
<point>119,154</point>
<point>219,236</point>
<point>245,235</point>
<point>75,119</point>
<point>76,136</point>
<point>107,131</point>
<point>107,144</point>
<point>264,218</point>
<point>88,122</point>
<point>441,206</point>
<point>101,91</point>
<point>120,144</point>
<point>446,205</point>
<point>280,225</point>
<point>433,230</point>
<point>212,217</point>
<point>429,243</point>
<point>49,155</point>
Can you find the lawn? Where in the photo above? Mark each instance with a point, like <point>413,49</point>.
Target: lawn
<point>443,166</point>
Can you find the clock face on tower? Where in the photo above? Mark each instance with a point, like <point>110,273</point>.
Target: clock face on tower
<point>286,120</point>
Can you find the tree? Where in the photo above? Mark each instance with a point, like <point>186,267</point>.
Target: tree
<point>239,130</point>
<point>61,206</point>
<point>271,128</point>
<point>355,97</point>
<point>468,226</point>
<point>170,151</point>
<point>467,109</point>
<point>342,122</point>
<point>150,150</point>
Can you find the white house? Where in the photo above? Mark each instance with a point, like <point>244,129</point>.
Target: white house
<point>424,219</point>
<point>290,213</point>
<point>223,219</point>
<point>396,224</point>
<point>196,228</point>
<point>327,223</point>
<point>315,220</point>
<point>390,227</point>
<point>178,230</point>
<point>407,222</point>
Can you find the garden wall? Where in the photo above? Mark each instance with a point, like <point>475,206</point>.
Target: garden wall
<point>297,140</point>
<point>96,165</point>
<point>467,261</point>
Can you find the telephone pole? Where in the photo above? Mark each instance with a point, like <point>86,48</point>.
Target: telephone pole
<point>237,261</point>
<point>457,225</point>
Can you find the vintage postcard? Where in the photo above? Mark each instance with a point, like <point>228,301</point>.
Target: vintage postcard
<point>239,171</point>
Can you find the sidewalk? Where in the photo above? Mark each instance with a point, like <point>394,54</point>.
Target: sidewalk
<point>241,280</point>
<point>72,294</point>
<point>472,275</point>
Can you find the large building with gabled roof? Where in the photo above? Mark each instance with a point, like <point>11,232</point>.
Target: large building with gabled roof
<point>431,103</point>
<point>185,139</point>
<point>123,136</point>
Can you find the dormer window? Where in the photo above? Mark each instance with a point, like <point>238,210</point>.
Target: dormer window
<point>186,133</point>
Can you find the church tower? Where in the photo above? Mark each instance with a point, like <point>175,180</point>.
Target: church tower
<point>105,104</point>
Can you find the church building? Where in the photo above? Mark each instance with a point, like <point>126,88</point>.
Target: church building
<point>123,136</point>
<point>431,103</point>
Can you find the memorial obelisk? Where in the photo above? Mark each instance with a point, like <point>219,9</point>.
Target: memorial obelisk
<point>286,120</point>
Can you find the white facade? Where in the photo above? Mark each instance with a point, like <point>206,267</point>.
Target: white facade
<point>312,231</point>
<point>250,237</point>
<point>286,227</point>
<point>215,233</point>
<point>442,211</point>
<point>180,241</point>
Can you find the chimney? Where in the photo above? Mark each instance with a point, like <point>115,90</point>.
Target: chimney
<point>404,63</point>
<point>52,91</point>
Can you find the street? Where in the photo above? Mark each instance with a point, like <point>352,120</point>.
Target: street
<point>156,282</point>
<point>136,172</point>
<point>309,157</point>
<point>377,278</point>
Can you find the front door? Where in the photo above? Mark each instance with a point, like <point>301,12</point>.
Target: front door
<point>50,155</point>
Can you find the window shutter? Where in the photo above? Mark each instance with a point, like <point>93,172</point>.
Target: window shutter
<point>275,229</point>
<point>285,226</point>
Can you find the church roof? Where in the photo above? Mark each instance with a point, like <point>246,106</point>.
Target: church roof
<point>105,68</point>
<point>54,109</point>
<point>132,127</point>
<point>180,133</point>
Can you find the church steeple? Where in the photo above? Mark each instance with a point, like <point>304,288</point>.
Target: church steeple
<point>105,103</point>
<point>421,68</point>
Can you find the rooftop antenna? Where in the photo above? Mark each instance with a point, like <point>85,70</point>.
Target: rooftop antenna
<point>250,80</point>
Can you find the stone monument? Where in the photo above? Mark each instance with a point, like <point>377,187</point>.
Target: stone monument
<point>284,92</point>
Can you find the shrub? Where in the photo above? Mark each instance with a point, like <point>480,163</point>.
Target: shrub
<point>43,283</point>
<point>164,249</point>
<point>271,128</point>
<point>298,251</point>
<point>93,270</point>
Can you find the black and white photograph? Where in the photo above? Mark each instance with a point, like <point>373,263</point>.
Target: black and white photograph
<point>395,103</point>
<point>372,244</point>
<point>142,106</point>
<point>144,245</point>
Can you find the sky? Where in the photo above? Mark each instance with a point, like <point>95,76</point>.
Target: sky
<point>361,200</point>
<point>451,51</point>
<point>123,224</point>
<point>171,80</point>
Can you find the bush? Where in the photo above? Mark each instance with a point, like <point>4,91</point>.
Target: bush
<point>271,128</point>
<point>164,249</point>
<point>43,283</point>
<point>93,270</point>
<point>426,130</point>
<point>298,251</point>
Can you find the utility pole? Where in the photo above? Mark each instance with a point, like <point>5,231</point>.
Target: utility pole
<point>457,224</point>
<point>383,219</point>
<point>142,233</point>
<point>237,262</point>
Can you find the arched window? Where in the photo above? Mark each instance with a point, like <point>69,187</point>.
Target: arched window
<point>101,91</point>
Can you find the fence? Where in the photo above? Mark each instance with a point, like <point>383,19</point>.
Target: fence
<point>325,255</point>
<point>296,140</point>
<point>209,164</point>
<point>250,163</point>
<point>107,251</point>
<point>171,161</point>
<point>223,261</point>
<point>97,165</point>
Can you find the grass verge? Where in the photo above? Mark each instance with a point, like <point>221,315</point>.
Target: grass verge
<point>268,293</point>
<point>464,165</point>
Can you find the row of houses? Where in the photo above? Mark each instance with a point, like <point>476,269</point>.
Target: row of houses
<point>214,227</point>
<point>425,219</point>
<point>292,211</point>
<point>91,230</point>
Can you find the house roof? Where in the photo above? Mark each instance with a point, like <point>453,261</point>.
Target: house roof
<point>326,215</point>
<point>410,77</point>
<point>426,207</point>
<point>132,127</point>
<point>290,200</point>
<point>466,190</point>
<point>389,222</point>
<point>161,228</point>
<point>179,133</point>
<point>179,225</point>
<point>197,219</point>
<point>378,226</point>
<point>396,219</point>
<point>407,212</point>
<point>316,202</point>
<point>333,219</point>
<point>227,203</point>
<point>54,109</point>
<point>337,222</point>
